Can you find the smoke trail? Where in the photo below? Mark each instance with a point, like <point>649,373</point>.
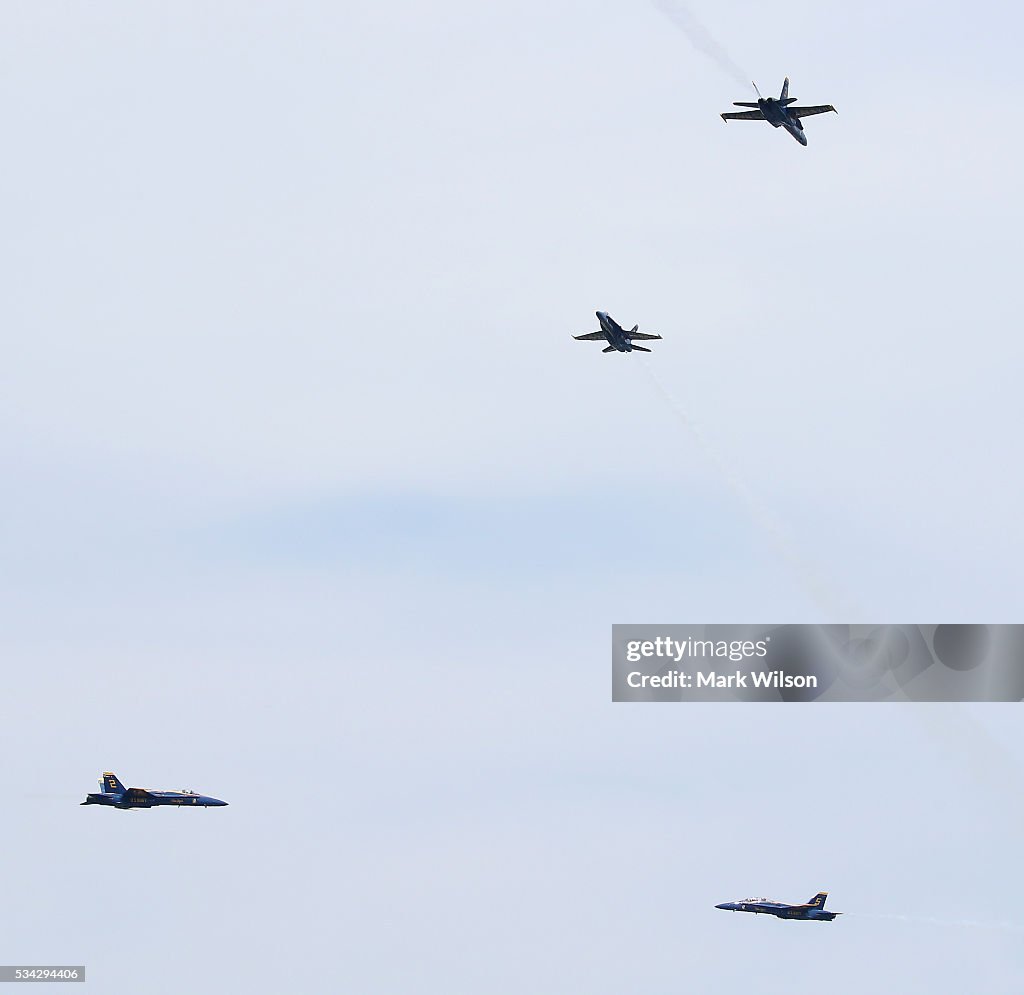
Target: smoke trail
<point>823,593</point>
<point>1014,927</point>
<point>989,764</point>
<point>700,38</point>
<point>986,761</point>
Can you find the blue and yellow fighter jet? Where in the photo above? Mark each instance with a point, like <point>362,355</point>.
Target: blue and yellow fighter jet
<point>115,794</point>
<point>778,113</point>
<point>618,339</point>
<point>814,909</point>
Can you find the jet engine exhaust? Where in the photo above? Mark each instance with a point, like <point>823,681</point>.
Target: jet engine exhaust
<point>700,38</point>
<point>1014,927</point>
<point>822,593</point>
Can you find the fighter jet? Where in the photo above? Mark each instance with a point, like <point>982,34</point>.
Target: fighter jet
<point>778,113</point>
<point>814,909</point>
<point>611,331</point>
<point>115,794</point>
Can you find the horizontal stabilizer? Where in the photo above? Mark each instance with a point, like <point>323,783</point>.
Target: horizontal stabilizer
<point>610,348</point>
<point>640,348</point>
<point>745,103</point>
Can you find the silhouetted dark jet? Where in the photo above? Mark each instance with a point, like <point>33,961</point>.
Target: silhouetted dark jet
<point>778,113</point>
<point>814,909</point>
<point>117,795</point>
<point>618,338</point>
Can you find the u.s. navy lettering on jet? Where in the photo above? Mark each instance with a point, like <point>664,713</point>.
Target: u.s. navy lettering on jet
<point>618,338</point>
<point>778,113</point>
<point>115,795</point>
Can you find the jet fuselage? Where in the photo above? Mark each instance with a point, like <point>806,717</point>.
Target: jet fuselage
<point>116,795</point>
<point>776,114</point>
<point>140,798</point>
<point>614,332</point>
<point>813,910</point>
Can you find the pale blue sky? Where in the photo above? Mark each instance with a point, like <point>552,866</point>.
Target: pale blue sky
<point>313,504</point>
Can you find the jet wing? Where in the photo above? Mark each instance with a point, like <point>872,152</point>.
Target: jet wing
<point>810,111</point>
<point>744,116</point>
<point>640,335</point>
<point>591,337</point>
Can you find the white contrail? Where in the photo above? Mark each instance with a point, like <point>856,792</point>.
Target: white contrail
<point>701,39</point>
<point>823,593</point>
<point>1014,927</point>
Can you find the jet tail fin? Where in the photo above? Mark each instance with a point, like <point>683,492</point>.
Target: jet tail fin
<point>110,784</point>
<point>785,90</point>
<point>635,328</point>
<point>818,902</point>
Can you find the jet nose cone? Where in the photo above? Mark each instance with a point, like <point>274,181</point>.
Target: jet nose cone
<point>724,905</point>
